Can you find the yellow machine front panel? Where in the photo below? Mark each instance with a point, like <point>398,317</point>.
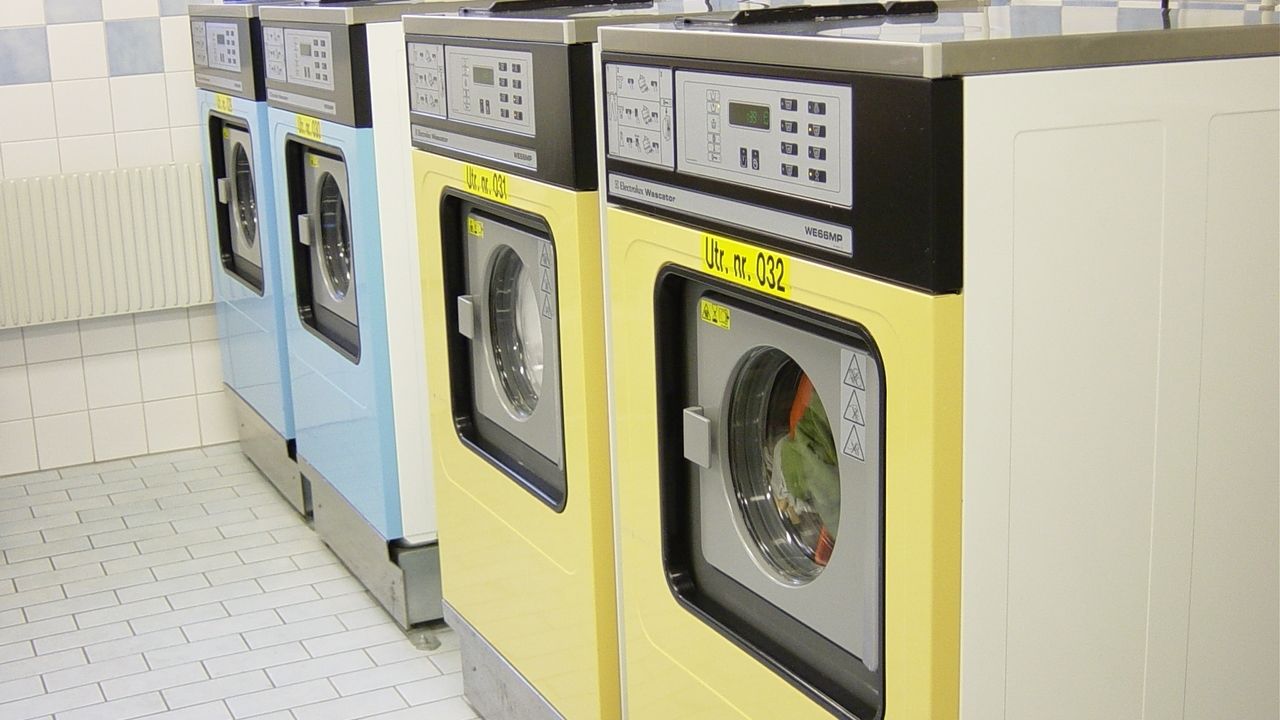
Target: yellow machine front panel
<point>537,584</point>
<point>678,667</point>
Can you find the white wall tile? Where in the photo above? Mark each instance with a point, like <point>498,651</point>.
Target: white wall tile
<point>172,424</point>
<point>175,34</point>
<point>217,419</point>
<point>186,144</point>
<point>55,341</point>
<point>112,379</point>
<point>162,327</point>
<point>15,395</point>
<point>11,352</point>
<point>118,432</point>
<point>180,87</point>
<point>206,356</point>
<point>88,153</point>
<point>77,50</point>
<point>120,9</point>
<point>203,320</point>
<point>33,158</point>
<point>83,107</point>
<point>144,148</point>
<point>63,440</point>
<point>167,372</point>
<point>139,102</point>
<point>99,336</point>
<point>22,12</point>
<point>57,387</point>
<point>28,112</point>
<point>18,447</point>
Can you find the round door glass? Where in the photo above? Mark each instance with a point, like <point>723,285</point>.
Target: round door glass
<point>335,240</point>
<point>516,330</point>
<point>246,208</point>
<point>783,465</point>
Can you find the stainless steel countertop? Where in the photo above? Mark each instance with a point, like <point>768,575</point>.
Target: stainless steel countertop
<point>1005,36</point>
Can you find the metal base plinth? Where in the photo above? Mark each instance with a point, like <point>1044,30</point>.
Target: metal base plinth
<point>268,450</point>
<point>405,580</point>
<point>493,687</point>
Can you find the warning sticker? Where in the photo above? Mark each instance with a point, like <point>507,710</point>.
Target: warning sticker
<point>853,398</point>
<point>713,313</point>
<point>853,445</point>
<point>475,227</point>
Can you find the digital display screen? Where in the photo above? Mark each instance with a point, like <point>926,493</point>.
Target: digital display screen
<point>482,75</point>
<point>749,116</point>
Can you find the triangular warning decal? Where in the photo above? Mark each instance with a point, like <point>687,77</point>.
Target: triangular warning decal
<point>544,257</point>
<point>853,445</point>
<point>546,281</point>
<point>853,375</point>
<point>853,410</point>
<point>546,306</point>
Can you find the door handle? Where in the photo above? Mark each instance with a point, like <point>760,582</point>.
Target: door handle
<point>222,189</point>
<point>304,229</point>
<point>467,316</point>
<point>697,437</point>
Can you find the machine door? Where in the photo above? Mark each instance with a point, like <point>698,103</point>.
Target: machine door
<point>777,534</point>
<point>324,253</point>
<point>507,312</point>
<point>235,183</point>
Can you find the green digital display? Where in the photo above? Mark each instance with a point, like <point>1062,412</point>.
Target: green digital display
<point>749,116</point>
<point>482,75</point>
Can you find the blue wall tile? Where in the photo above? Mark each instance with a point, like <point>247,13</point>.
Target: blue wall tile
<point>69,11</point>
<point>1032,20</point>
<point>24,56</point>
<point>133,47</point>
<point>174,7</point>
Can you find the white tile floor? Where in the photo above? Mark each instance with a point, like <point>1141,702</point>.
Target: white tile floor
<point>182,587</point>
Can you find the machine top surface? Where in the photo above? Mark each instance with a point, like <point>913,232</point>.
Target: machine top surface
<point>957,39</point>
<point>234,9</point>
<point>353,12</point>
<point>566,21</point>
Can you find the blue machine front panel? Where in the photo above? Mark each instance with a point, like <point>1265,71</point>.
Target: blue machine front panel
<point>251,326</point>
<point>343,408</point>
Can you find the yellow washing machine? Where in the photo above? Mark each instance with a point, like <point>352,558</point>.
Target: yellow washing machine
<point>788,344</point>
<point>505,170</point>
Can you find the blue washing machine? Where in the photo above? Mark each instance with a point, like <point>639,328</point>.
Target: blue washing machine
<point>338,119</point>
<point>240,212</point>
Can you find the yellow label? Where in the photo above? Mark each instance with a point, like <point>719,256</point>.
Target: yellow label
<point>226,134</point>
<point>475,227</point>
<point>222,102</point>
<point>309,127</point>
<point>315,161</point>
<point>483,181</point>
<point>747,265</point>
<point>717,315</point>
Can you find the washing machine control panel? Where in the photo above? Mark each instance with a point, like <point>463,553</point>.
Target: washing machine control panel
<point>308,58</point>
<point>788,136</point>
<point>484,86</point>
<point>223,56</point>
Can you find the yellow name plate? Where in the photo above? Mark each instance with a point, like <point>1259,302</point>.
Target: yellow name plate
<point>475,227</point>
<point>486,182</point>
<point>714,313</point>
<point>746,265</point>
<point>309,127</point>
<point>222,103</point>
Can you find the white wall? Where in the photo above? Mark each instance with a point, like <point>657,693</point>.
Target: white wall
<point>80,392</point>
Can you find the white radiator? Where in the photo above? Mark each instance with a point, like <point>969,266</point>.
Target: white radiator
<point>105,243</point>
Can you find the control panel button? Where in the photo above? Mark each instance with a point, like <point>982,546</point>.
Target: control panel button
<point>517,115</point>
<point>515,67</point>
<point>755,159</point>
<point>505,113</point>
<point>789,170</point>
<point>742,157</point>
<point>818,176</point>
<point>817,108</point>
<point>789,126</point>
<point>516,84</point>
<point>502,82</point>
<point>503,97</point>
<point>816,130</point>
<point>517,100</point>
<point>502,67</point>
<point>789,148</point>
<point>788,104</point>
<point>817,153</point>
